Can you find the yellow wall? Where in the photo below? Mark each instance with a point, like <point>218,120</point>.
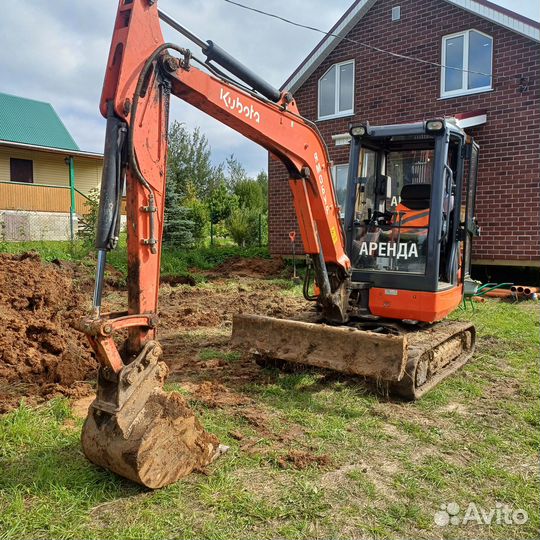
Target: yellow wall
<point>50,168</point>
<point>39,199</point>
<point>87,173</point>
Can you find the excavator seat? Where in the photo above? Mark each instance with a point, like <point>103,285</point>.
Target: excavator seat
<point>413,210</point>
<point>416,196</point>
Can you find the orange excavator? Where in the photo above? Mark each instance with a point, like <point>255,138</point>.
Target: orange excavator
<point>386,269</point>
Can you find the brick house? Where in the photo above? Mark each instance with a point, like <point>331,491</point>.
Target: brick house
<point>341,81</point>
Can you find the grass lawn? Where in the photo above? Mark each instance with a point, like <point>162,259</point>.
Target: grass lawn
<point>380,468</point>
<point>174,262</point>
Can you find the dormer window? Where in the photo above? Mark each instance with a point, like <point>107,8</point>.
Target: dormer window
<point>467,59</point>
<point>336,91</point>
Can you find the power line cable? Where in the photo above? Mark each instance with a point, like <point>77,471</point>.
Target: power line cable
<point>372,47</point>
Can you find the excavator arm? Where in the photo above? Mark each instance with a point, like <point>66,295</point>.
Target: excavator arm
<point>131,416</point>
<point>141,76</point>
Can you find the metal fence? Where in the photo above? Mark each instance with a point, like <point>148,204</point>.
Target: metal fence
<point>256,235</point>
<point>30,212</point>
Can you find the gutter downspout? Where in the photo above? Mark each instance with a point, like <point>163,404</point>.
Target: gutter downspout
<point>72,194</point>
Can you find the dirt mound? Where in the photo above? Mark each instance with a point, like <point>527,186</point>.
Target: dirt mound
<point>254,268</point>
<point>214,394</point>
<point>203,307</point>
<point>297,459</point>
<point>177,280</point>
<point>40,353</point>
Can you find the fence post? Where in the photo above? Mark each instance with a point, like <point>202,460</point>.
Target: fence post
<point>72,193</point>
<point>260,230</point>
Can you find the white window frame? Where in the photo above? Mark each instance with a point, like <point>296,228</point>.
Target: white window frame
<point>340,114</point>
<point>463,91</point>
<point>334,183</point>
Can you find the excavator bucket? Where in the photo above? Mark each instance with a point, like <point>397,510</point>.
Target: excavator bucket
<point>409,361</point>
<point>142,433</point>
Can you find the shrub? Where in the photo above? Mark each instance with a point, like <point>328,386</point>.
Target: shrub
<point>250,194</point>
<point>220,203</point>
<point>243,226</point>
<point>198,214</point>
<point>90,219</point>
<point>178,227</point>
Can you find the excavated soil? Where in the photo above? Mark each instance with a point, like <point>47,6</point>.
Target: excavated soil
<point>214,305</point>
<point>254,268</point>
<point>42,355</point>
<point>298,459</point>
<point>40,352</point>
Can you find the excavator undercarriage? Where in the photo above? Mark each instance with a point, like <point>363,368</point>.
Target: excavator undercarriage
<point>402,360</point>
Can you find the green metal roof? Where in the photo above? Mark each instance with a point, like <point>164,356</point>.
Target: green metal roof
<point>32,122</point>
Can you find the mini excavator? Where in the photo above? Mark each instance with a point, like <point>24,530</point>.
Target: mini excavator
<point>387,265</point>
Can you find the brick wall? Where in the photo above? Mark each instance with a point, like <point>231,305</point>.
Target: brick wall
<point>389,90</point>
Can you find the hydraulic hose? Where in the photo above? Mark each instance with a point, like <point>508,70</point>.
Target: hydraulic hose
<point>307,283</point>
<point>132,155</point>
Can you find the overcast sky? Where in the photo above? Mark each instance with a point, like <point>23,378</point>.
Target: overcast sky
<point>56,51</point>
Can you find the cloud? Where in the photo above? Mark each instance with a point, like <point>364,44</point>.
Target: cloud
<point>56,51</point>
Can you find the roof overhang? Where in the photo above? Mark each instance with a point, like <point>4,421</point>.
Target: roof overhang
<point>328,44</point>
<point>63,151</point>
<point>482,8</point>
<point>499,15</point>
<point>471,119</point>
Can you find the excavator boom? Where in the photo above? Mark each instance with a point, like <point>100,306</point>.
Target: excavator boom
<point>141,76</point>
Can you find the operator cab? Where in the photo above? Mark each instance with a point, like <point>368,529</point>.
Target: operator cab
<point>404,209</point>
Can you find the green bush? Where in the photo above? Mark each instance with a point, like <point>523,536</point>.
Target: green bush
<point>199,215</point>
<point>243,226</point>
<point>262,180</point>
<point>264,229</point>
<point>88,233</point>
<point>250,194</point>
<point>178,227</point>
<point>220,203</point>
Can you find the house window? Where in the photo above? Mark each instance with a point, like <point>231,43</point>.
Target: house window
<point>21,170</point>
<point>336,91</point>
<point>467,60</point>
<point>341,173</point>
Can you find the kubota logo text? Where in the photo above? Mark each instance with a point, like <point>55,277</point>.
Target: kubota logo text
<point>235,104</point>
<point>320,178</point>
